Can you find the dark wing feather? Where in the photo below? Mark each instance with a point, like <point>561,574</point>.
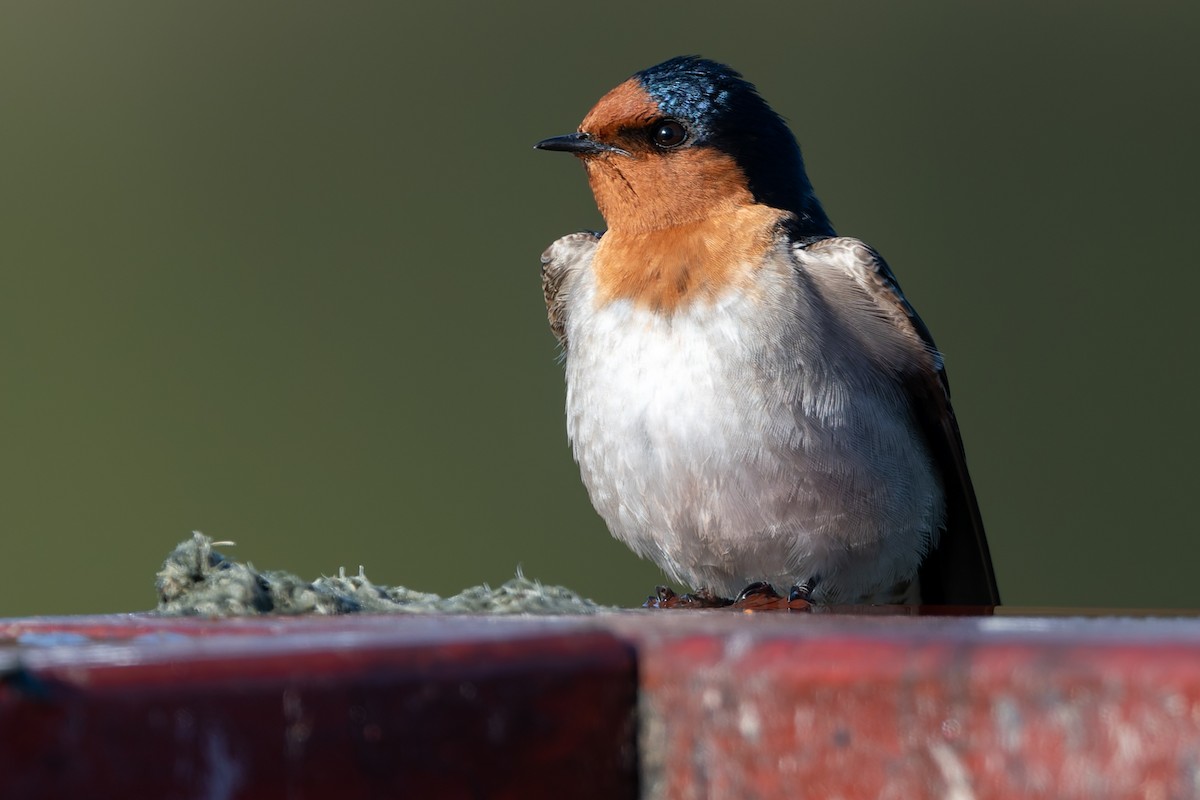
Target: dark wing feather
<point>959,570</point>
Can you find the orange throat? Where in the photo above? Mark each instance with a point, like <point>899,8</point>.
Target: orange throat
<point>665,269</point>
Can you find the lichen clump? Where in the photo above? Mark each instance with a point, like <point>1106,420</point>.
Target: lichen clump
<point>196,580</point>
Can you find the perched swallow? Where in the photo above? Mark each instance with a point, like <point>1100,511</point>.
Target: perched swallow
<point>750,397</point>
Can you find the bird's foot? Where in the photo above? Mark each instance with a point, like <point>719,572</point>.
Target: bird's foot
<point>665,597</point>
<point>758,589</point>
<point>758,596</point>
<point>803,591</point>
<point>761,596</point>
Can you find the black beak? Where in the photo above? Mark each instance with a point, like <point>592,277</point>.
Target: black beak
<point>579,143</point>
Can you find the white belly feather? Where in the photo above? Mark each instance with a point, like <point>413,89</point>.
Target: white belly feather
<point>731,442</point>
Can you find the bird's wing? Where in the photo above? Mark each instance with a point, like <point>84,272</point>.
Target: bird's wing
<point>959,570</point>
<point>562,258</point>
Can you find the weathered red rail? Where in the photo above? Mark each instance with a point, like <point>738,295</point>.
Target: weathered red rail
<point>665,704</point>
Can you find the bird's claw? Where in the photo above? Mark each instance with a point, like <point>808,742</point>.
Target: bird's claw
<point>802,591</point>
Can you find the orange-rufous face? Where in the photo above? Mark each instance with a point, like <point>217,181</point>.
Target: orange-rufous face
<point>647,187</point>
<point>682,223</point>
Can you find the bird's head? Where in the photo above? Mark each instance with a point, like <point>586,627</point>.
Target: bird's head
<point>687,139</point>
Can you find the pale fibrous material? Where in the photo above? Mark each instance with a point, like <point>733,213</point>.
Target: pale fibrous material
<point>197,580</point>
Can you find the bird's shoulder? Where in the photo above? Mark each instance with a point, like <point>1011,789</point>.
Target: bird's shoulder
<point>565,255</point>
<point>861,285</point>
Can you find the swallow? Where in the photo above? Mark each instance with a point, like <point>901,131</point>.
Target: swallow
<point>750,397</point>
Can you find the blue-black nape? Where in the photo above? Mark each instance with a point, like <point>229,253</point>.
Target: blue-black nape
<point>723,110</point>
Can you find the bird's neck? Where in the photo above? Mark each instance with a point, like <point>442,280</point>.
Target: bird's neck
<point>665,269</point>
<point>644,193</point>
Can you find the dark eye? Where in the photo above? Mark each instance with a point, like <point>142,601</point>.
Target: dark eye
<point>668,133</point>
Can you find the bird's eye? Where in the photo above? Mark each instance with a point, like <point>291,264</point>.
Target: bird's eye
<point>668,133</point>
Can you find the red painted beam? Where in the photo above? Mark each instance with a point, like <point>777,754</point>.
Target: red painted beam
<point>743,705</point>
<point>858,707</point>
<point>298,708</point>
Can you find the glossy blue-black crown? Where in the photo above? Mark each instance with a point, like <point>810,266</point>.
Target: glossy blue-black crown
<point>723,110</point>
<point>704,93</point>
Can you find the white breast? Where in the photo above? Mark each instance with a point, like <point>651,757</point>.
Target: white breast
<point>744,439</point>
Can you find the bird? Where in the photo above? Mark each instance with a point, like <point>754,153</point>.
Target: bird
<point>751,399</point>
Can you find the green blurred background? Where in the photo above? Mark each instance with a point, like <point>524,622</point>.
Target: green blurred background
<point>269,270</point>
